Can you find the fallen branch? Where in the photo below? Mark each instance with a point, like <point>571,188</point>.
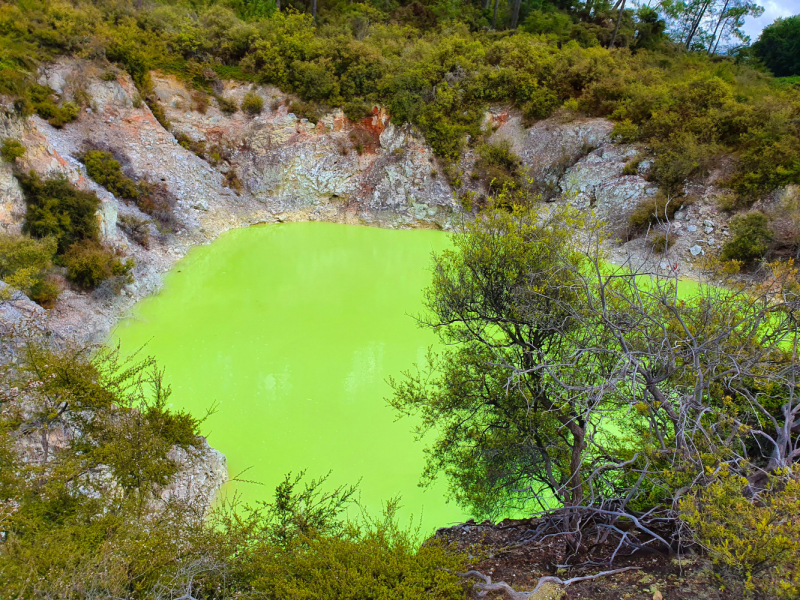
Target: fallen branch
<point>481,589</point>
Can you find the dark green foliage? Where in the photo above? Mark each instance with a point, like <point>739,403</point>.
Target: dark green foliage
<point>441,77</point>
<point>56,208</point>
<point>105,170</point>
<point>252,103</point>
<point>89,263</point>
<point>498,166</point>
<point>11,150</point>
<point>750,238</point>
<point>779,46</point>
<point>226,105</point>
<point>357,109</point>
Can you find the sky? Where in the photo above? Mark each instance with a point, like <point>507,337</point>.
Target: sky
<point>772,10</point>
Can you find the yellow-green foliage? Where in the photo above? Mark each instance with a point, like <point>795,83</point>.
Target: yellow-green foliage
<point>659,208</point>
<point>756,539</point>
<point>81,523</point>
<point>46,103</point>
<point>89,263</point>
<point>11,150</point>
<point>25,265</point>
<point>252,103</point>
<point>498,166</point>
<point>105,170</point>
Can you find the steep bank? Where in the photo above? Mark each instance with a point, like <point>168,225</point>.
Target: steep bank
<point>275,167</point>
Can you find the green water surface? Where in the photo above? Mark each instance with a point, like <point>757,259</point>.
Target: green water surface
<point>292,330</point>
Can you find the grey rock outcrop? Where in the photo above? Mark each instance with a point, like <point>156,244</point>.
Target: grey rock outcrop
<point>597,181</point>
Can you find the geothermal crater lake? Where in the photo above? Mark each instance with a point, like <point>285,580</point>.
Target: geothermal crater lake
<point>292,330</point>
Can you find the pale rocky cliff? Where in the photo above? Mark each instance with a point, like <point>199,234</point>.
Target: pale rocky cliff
<point>276,167</point>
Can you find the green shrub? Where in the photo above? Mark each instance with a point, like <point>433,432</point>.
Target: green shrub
<point>661,242</point>
<point>750,238</point>
<point>158,111</point>
<point>778,46</point>
<point>498,166</point>
<point>55,208</point>
<point>732,202</point>
<point>678,159</point>
<point>105,170</point>
<point>45,102</point>
<point>136,228</point>
<point>252,103</point>
<point>25,265</point>
<point>226,105</point>
<point>632,167</point>
<point>357,109</point>
<point>625,132</point>
<point>11,150</point>
<point>651,211</point>
<point>541,103</point>
<point>757,540</point>
<point>89,263</point>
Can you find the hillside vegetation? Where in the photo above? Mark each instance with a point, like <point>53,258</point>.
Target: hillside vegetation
<point>439,66</point>
<point>631,420</point>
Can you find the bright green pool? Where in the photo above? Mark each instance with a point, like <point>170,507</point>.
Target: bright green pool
<point>292,330</point>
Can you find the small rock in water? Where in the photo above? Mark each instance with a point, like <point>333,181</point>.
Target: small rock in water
<point>695,250</point>
<point>679,215</point>
<point>708,223</point>
<point>708,229</point>
<point>691,228</point>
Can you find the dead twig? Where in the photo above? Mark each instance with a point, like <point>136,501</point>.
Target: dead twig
<point>482,589</point>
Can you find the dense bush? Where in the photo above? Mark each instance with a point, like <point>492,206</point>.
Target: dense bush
<point>11,150</point>
<point>59,211</point>
<point>45,102</point>
<point>104,169</point>
<point>779,46</point>
<point>26,264</point>
<point>252,103</point>
<point>654,210</point>
<point>750,238</point>
<point>437,67</point>
<point>89,263</point>
<point>498,166</point>
<point>88,521</point>
<point>55,208</point>
<point>756,540</point>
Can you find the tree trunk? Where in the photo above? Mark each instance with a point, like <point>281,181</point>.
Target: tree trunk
<point>494,16</point>
<point>515,14</point>
<point>696,22</point>
<point>314,10</point>
<point>616,27</point>
<point>278,5</point>
<point>716,29</point>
